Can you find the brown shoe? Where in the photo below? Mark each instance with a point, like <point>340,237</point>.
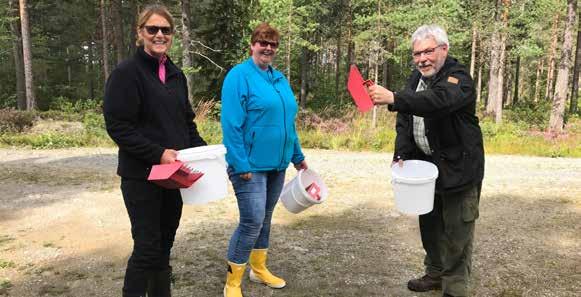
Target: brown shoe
<point>425,283</point>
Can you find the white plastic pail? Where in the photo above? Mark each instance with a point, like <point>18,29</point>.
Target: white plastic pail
<point>213,184</point>
<point>413,186</point>
<point>294,196</point>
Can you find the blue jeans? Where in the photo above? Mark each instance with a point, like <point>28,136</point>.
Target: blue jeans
<point>257,198</point>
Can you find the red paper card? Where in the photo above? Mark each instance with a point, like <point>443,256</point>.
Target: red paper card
<point>356,86</point>
<point>314,190</point>
<point>173,176</point>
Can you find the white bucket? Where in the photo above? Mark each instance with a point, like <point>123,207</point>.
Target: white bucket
<point>294,196</point>
<point>413,186</point>
<point>213,184</point>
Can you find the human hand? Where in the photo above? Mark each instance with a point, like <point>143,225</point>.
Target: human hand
<point>168,156</point>
<point>301,165</point>
<point>399,162</point>
<point>246,176</point>
<point>380,95</point>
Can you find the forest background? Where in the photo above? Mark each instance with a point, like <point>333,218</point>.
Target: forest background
<point>522,54</point>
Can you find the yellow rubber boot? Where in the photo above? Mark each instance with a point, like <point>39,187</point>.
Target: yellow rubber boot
<point>260,274</point>
<point>234,279</point>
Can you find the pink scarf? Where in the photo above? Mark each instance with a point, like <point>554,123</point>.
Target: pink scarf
<point>161,69</point>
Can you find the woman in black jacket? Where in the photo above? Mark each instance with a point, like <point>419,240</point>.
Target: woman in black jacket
<point>148,115</point>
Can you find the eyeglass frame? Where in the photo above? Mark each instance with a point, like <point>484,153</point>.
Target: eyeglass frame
<point>427,52</point>
<point>265,43</point>
<point>168,30</point>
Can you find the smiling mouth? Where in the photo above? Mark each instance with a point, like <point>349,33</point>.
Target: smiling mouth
<point>159,42</point>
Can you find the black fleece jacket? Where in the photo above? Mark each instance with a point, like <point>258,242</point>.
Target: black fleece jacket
<point>449,110</point>
<point>144,116</point>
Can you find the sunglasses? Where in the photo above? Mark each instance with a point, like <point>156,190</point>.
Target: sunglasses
<point>427,52</point>
<point>264,43</point>
<point>152,30</point>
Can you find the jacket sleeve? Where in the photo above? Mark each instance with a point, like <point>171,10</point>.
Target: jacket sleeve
<point>121,110</point>
<point>298,155</point>
<point>233,117</point>
<point>447,95</point>
<point>195,138</point>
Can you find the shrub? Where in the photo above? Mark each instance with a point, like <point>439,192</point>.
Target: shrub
<point>94,124</point>
<point>12,120</point>
<point>68,105</point>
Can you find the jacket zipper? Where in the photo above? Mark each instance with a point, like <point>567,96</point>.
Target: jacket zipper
<point>251,143</point>
<point>283,122</point>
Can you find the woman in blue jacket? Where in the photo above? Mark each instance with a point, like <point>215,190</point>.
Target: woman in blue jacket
<point>258,126</point>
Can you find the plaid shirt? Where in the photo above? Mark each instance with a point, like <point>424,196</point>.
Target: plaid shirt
<point>419,127</point>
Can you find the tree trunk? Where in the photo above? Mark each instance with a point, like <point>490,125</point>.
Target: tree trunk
<point>538,80</point>
<point>116,9</point>
<point>497,57</point>
<point>27,57</point>
<point>90,70</point>
<point>304,77</point>
<point>473,52</point>
<point>575,87</point>
<point>134,8</point>
<point>17,49</point>
<point>69,68</point>
<point>507,87</point>
<point>561,86</point>
<point>187,45</point>
<point>338,65</point>
<point>479,84</point>
<point>551,59</point>
<point>516,80</point>
<point>288,44</point>
<point>105,40</point>
<point>350,59</point>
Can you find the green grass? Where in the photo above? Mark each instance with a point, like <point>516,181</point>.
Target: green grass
<point>5,285</point>
<point>350,131</point>
<point>6,264</point>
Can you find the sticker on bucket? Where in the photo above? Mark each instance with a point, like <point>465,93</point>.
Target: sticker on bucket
<point>209,160</point>
<point>414,184</point>
<point>294,195</point>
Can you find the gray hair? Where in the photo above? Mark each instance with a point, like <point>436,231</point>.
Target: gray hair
<point>431,31</point>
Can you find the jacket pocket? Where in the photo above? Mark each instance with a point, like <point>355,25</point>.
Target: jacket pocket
<point>454,168</point>
<point>265,147</point>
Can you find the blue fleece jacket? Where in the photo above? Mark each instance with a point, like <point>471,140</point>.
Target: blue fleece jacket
<point>258,119</point>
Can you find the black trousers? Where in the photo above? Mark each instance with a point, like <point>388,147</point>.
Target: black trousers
<point>155,214</point>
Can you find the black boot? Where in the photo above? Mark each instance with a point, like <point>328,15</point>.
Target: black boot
<point>160,284</point>
<point>136,282</point>
<point>425,283</point>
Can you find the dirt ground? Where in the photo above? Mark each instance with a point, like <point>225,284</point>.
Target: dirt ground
<point>64,230</point>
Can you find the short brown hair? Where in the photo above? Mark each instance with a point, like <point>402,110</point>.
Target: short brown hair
<point>264,32</point>
<point>147,12</point>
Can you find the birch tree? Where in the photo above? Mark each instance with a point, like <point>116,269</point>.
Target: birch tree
<point>186,44</point>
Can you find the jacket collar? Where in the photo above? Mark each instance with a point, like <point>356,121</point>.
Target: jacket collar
<point>153,63</point>
<point>449,63</point>
<point>276,75</point>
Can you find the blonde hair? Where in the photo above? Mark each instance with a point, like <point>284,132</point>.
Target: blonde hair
<point>147,12</point>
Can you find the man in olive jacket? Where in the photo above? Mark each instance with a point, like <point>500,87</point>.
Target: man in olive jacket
<point>436,122</point>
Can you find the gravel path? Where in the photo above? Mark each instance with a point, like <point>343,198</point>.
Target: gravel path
<point>64,230</point>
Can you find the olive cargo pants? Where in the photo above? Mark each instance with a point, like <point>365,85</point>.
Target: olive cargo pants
<point>447,233</point>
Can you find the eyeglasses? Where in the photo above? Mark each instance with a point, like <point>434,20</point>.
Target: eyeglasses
<point>427,52</point>
<point>152,30</point>
<point>265,43</point>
